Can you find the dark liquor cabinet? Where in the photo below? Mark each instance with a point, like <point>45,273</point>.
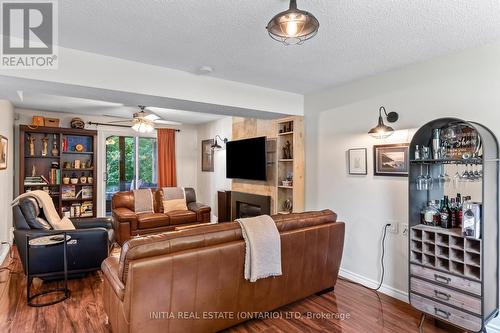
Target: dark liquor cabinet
<point>453,273</point>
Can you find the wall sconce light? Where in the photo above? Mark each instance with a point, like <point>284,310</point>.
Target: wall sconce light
<point>381,131</point>
<point>216,145</point>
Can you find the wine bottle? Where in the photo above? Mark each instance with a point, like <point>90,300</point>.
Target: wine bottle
<point>437,215</point>
<point>445,214</point>
<point>453,209</point>
<point>459,211</point>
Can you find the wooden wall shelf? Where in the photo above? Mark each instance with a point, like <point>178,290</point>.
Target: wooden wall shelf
<point>290,130</point>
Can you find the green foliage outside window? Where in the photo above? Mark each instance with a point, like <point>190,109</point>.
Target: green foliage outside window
<point>147,161</point>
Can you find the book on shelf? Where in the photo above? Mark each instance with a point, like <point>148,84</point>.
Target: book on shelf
<point>34,181</point>
<point>55,176</point>
<point>68,192</point>
<point>87,209</point>
<point>87,192</point>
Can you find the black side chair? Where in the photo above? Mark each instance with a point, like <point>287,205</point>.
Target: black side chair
<point>88,247</point>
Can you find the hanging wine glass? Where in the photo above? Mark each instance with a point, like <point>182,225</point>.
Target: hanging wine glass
<point>428,180</point>
<point>477,175</point>
<point>457,177</point>
<point>465,174</point>
<point>420,181</point>
<point>441,179</point>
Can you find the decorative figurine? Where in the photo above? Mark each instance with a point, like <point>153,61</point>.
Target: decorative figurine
<point>287,205</point>
<point>287,151</point>
<point>31,141</point>
<point>45,145</point>
<point>54,151</point>
<point>33,171</point>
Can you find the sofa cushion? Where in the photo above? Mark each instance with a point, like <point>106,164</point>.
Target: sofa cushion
<point>152,220</point>
<point>181,217</point>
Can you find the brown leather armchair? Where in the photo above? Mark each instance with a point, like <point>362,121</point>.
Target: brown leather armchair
<point>127,223</point>
<point>168,282</point>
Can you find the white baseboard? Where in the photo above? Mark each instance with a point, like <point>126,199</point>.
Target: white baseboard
<point>398,294</point>
<point>384,289</point>
<point>4,251</point>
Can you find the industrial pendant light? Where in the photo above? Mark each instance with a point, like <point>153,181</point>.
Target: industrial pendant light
<point>293,26</point>
<point>381,131</point>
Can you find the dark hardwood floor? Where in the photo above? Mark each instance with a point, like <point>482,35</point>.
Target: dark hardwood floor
<point>358,310</point>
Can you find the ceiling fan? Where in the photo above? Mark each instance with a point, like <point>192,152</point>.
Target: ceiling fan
<point>144,122</point>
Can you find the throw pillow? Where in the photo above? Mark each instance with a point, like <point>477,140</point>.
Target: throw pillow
<point>174,198</point>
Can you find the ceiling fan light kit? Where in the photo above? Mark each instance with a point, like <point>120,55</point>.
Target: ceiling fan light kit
<point>293,26</point>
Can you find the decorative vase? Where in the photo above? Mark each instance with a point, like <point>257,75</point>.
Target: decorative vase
<point>45,145</point>
<point>54,151</point>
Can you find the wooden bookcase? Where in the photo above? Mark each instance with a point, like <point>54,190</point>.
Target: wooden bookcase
<point>43,165</point>
<point>290,133</point>
<point>454,278</point>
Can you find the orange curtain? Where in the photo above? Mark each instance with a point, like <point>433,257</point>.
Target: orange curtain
<point>167,174</point>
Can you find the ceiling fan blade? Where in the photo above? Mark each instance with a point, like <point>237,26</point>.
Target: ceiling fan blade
<point>167,122</point>
<point>152,117</point>
<point>119,121</point>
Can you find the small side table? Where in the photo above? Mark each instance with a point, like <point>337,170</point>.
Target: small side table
<point>42,242</point>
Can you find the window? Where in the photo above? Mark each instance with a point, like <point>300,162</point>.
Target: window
<point>130,164</point>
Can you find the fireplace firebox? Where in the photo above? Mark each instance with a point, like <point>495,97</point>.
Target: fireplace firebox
<point>249,205</point>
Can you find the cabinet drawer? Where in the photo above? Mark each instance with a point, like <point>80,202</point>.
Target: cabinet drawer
<point>443,294</point>
<point>446,313</point>
<point>446,279</point>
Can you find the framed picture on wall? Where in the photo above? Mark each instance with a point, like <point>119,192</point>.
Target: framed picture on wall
<point>207,155</point>
<point>357,161</point>
<point>4,150</point>
<point>391,160</point>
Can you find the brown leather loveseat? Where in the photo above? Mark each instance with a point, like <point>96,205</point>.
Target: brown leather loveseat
<point>191,280</point>
<point>127,223</point>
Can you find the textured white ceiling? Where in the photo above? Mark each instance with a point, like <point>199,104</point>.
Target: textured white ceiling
<point>356,38</point>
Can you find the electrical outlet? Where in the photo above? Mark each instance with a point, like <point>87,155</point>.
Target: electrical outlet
<point>393,228</point>
<point>404,228</point>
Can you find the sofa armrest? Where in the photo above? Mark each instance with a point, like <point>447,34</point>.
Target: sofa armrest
<point>202,211</point>
<point>86,249</point>
<point>109,268</point>
<point>124,215</point>
<point>100,222</point>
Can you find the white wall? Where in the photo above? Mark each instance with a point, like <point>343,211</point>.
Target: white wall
<point>6,177</point>
<point>79,68</point>
<point>186,147</point>
<point>464,85</point>
<point>211,182</point>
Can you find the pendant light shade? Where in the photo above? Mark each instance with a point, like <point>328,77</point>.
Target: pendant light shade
<point>293,26</point>
<point>382,131</point>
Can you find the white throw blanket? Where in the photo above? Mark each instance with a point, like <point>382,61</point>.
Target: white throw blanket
<point>49,210</point>
<point>263,247</point>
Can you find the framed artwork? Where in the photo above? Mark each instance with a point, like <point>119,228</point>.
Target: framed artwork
<point>391,160</point>
<point>357,161</point>
<point>207,155</point>
<point>4,150</point>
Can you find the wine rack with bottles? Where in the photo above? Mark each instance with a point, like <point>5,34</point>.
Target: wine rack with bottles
<point>450,265</point>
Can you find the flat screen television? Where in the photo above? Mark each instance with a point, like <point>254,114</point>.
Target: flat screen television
<point>246,159</point>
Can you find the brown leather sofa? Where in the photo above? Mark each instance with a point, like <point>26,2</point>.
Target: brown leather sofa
<point>192,280</point>
<point>127,223</point>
